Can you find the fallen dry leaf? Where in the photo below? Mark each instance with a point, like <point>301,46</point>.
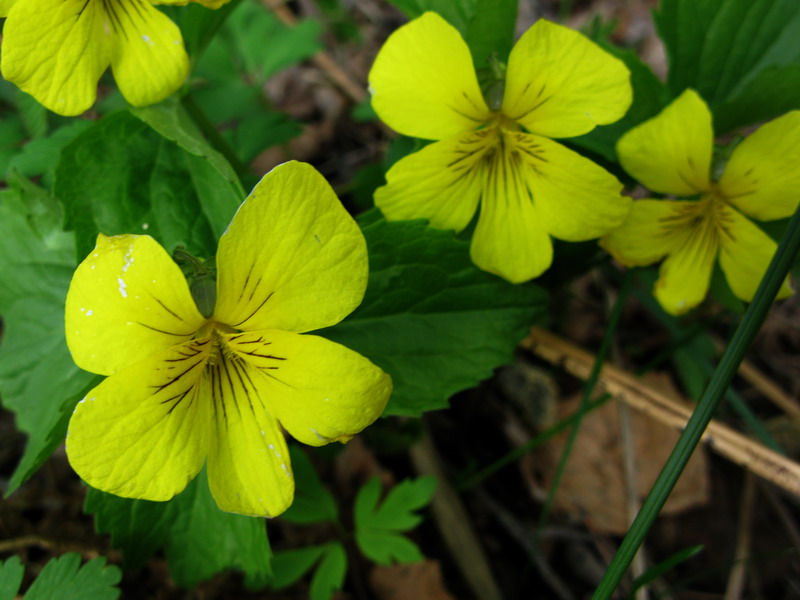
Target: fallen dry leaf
<point>418,581</point>
<point>593,485</point>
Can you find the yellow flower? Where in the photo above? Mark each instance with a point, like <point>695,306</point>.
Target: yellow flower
<point>558,85</point>
<point>184,389</point>
<point>56,50</point>
<point>671,154</point>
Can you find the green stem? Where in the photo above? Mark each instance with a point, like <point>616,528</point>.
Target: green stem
<point>534,442</point>
<point>588,390</point>
<point>207,127</point>
<point>710,400</point>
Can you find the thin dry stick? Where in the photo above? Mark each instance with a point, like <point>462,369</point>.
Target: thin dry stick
<point>639,565</point>
<point>336,74</point>
<point>734,446</point>
<point>454,524</point>
<point>21,543</point>
<point>736,579</point>
<point>765,385</point>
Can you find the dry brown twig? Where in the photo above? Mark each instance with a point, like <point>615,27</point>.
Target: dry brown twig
<point>454,524</point>
<point>731,444</point>
<point>337,75</point>
<point>765,385</point>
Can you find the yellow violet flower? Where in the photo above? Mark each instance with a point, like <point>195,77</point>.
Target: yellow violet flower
<point>183,390</point>
<point>672,154</point>
<point>56,50</point>
<point>558,85</point>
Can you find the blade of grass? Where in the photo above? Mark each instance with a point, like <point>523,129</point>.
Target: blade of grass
<point>471,481</point>
<point>713,395</point>
<point>588,389</point>
<point>664,566</point>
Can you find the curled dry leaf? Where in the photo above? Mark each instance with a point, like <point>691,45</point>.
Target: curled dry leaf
<point>593,485</point>
<point>418,581</point>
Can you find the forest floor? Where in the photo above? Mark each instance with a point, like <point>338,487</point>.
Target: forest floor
<point>487,538</point>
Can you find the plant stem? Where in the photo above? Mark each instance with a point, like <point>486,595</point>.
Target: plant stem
<point>207,127</point>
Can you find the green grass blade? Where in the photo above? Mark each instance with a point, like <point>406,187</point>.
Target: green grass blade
<point>715,391</point>
<point>663,567</point>
<point>471,481</point>
<point>588,390</point>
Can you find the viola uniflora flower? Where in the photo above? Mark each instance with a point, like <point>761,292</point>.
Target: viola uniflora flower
<point>56,50</point>
<point>183,390</point>
<point>529,188</point>
<point>672,154</point>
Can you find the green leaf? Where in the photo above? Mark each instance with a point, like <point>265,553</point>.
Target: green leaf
<point>331,560</point>
<point>64,579</point>
<point>33,114</point>
<point>329,576</point>
<point>256,132</point>
<point>41,155</point>
<point>736,54</point>
<point>774,91</point>
<point>11,572</point>
<point>377,527</point>
<point>144,184</point>
<point>290,565</point>
<point>430,318</point>
<point>38,380</point>
<point>255,43</point>
<point>312,502</point>
<point>199,24</point>
<point>12,135</point>
<point>491,30</point>
<point>171,120</point>
<point>199,539</point>
<point>459,13</point>
<point>387,547</point>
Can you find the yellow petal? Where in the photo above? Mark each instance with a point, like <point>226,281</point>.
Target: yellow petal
<point>423,82</point>
<point>292,258</point>
<point>671,153</point>
<point>5,7</point>
<point>320,391</point>
<point>652,230</point>
<point>685,275</point>
<point>148,58</point>
<point>248,463</point>
<point>762,177</point>
<point>144,432</point>
<point>560,84</point>
<point>441,183</point>
<point>745,253</point>
<point>510,239</point>
<point>127,300</point>
<point>575,199</point>
<point>212,4</point>
<point>56,50</point>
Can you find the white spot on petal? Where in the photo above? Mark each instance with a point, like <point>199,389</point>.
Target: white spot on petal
<point>89,313</point>
<point>122,291</point>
